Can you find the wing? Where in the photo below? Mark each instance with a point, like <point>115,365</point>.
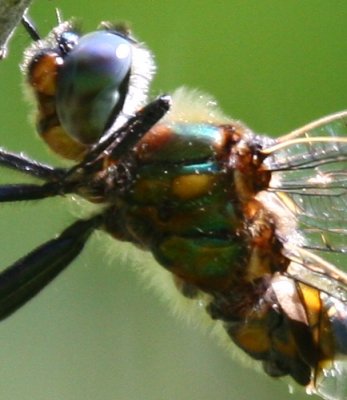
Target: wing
<point>309,180</point>
<point>327,316</point>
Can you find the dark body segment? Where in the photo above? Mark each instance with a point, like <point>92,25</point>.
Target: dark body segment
<point>191,200</point>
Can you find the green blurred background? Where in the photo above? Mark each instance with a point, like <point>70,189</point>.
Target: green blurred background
<point>98,332</point>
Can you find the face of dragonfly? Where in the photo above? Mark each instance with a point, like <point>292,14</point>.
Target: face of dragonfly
<point>239,220</point>
<point>85,84</point>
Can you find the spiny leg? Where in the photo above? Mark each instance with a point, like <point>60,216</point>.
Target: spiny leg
<point>54,178</point>
<point>30,167</point>
<point>17,192</point>
<point>143,121</point>
<point>127,136</point>
<point>119,143</point>
<point>27,276</point>
<point>24,191</point>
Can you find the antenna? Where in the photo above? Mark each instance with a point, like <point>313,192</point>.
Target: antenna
<point>30,28</point>
<point>59,16</point>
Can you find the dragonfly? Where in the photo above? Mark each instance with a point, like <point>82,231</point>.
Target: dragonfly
<point>244,223</point>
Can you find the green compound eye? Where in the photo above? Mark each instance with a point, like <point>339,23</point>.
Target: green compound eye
<point>92,84</point>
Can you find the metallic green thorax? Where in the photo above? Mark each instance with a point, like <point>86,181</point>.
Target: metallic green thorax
<point>181,203</point>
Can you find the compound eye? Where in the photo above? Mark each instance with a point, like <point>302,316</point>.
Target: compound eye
<point>92,84</point>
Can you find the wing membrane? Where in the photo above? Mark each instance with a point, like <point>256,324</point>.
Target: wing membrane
<point>310,179</point>
<point>306,267</point>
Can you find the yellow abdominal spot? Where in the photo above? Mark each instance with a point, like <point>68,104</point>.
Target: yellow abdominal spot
<point>313,304</point>
<point>189,187</point>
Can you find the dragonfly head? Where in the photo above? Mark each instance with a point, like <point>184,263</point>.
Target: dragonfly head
<point>86,84</point>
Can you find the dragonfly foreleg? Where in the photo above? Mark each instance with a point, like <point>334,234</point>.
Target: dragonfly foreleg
<point>30,167</point>
<point>24,191</point>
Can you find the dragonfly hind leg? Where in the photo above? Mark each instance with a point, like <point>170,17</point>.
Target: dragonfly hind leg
<point>29,275</point>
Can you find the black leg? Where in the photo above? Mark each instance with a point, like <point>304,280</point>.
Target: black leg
<point>119,143</point>
<point>26,277</point>
<point>30,167</point>
<point>142,123</point>
<point>20,192</point>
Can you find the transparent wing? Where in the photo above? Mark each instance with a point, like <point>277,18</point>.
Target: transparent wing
<point>309,178</point>
<point>308,195</point>
<point>330,376</point>
<point>311,269</point>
